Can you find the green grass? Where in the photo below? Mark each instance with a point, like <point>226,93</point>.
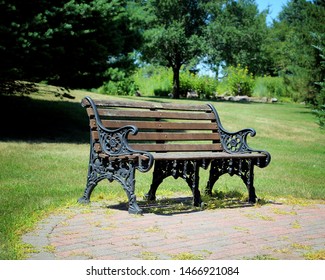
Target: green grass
<point>44,155</point>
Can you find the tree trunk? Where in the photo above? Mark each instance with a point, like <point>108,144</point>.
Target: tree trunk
<point>176,87</point>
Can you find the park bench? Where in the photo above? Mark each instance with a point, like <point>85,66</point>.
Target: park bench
<point>177,139</point>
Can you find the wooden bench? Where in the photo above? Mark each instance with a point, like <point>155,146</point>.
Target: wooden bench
<point>177,139</point>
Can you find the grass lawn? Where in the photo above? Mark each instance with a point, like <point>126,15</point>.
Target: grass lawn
<point>44,155</point>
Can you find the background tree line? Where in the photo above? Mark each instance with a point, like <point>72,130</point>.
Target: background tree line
<point>87,43</point>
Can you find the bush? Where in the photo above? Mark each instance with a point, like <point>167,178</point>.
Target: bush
<point>161,92</point>
<point>154,80</point>
<point>158,81</point>
<point>118,84</point>
<point>320,114</point>
<point>204,86</point>
<point>319,110</point>
<point>240,81</point>
<point>297,83</point>
<point>268,86</point>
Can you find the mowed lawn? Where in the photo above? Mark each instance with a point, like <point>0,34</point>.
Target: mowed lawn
<point>44,151</point>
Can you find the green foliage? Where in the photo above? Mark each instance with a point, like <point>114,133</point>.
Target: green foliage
<point>319,110</point>
<point>240,81</point>
<point>64,42</point>
<point>320,98</point>
<point>73,43</point>
<point>315,255</point>
<point>153,80</point>
<point>172,34</point>
<point>157,80</point>
<point>320,114</point>
<point>235,34</point>
<point>118,83</point>
<point>204,86</point>
<point>298,84</point>
<point>270,87</point>
<point>291,42</point>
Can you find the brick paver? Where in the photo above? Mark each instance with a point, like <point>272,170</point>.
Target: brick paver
<point>100,232</point>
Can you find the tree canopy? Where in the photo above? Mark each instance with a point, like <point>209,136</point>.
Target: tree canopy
<point>173,34</point>
<point>63,42</point>
<point>294,43</point>
<point>235,34</point>
<point>75,43</point>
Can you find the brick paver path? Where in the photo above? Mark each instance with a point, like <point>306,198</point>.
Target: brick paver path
<point>97,232</point>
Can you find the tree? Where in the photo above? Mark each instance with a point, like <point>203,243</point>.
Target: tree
<point>300,27</point>
<point>235,34</point>
<point>65,42</point>
<point>172,37</point>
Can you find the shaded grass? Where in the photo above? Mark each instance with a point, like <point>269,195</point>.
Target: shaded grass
<point>44,157</point>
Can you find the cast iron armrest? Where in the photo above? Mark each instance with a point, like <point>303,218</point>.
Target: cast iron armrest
<point>114,142</point>
<point>236,142</point>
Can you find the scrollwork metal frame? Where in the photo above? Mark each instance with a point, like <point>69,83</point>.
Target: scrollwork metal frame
<point>119,164</point>
<point>236,143</point>
<point>185,169</point>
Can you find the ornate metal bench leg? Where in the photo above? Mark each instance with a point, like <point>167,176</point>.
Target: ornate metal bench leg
<point>125,174</point>
<point>191,175</point>
<point>122,171</point>
<point>247,176</point>
<point>94,176</point>
<point>133,206</point>
<point>213,176</point>
<point>244,168</point>
<point>86,196</point>
<point>159,174</point>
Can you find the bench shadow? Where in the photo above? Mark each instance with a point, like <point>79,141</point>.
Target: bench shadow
<point>169,206</point>
<point>184,205</point>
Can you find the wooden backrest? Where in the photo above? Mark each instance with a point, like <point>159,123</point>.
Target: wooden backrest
<point>163,127</point>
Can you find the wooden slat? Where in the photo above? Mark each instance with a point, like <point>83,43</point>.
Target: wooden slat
<point>97,148</point>
<point>162,136</point>
<point>176,147</point>
<point>155,136</point>
<point>170,148</point>
<point>158,125</point>
<point>155,114</point>
<point>90,112</point>
<point>147,105</point>
<point>188,156</point>
<point>126,157</point>
<point>204,155</point>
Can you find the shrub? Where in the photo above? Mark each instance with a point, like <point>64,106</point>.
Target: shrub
<point>186,83</point>
<point>268,86</point>
<point>158,81</point>
<point>154,80</point>
<point>320,114</point>
<point>319,110</point>
<point>204,86</point>
<point>297,83</point>
<point>161,92</point>
<point>118,84</point>
<point>240,81</point>
<point>320,98</point>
